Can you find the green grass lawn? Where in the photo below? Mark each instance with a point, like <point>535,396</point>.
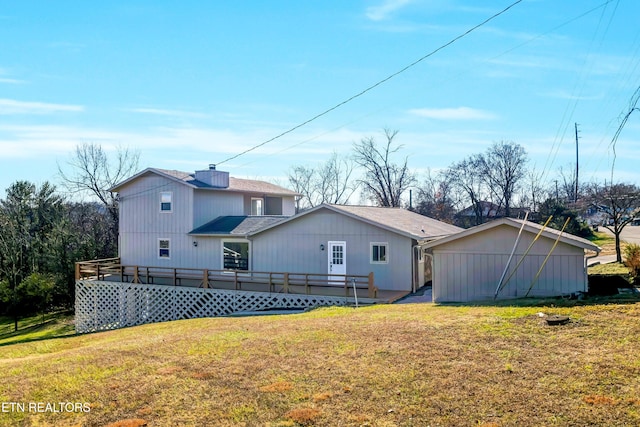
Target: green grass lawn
<point>388,365</point>
<point>602,239</point>
<point>52,325</point>
<point>611,268</point>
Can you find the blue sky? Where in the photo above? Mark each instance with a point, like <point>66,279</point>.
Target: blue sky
<point>191,83</point>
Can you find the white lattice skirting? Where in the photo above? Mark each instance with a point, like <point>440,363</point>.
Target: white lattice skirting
<point>112,305</point>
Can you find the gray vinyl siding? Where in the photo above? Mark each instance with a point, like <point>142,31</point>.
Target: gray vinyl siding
<point>288,206</point>
<point>295,247</point>
<point>142,223</point>
<point>208,205</point>
<point>469,269</point>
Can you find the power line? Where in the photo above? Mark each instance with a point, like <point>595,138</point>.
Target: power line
<point>359,94</point>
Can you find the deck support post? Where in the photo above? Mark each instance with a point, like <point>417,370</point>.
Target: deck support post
<point>371,287</point>
<point>205,279</point>
<point>285,283</point>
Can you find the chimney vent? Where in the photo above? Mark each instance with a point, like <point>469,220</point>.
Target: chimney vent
<point>213,177</point>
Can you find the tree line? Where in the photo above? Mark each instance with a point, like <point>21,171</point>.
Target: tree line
<point>43,232</point>
<point>480,187</point>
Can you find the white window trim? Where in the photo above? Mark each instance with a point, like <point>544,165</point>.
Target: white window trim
<point>170,193</point>
<point>158,248</point>
<point>262,203</point>
<point>240,272</point>
<point>386,253</point>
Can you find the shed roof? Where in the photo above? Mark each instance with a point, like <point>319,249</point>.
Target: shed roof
<point>235,184</point>
<point>235,225</point>
<point>397,220</point>
<point>529,226</point>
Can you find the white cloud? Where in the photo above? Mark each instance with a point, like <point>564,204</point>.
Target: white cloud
<point>459,113</point>
<point>11,81</point>
<point>11,106</point>
<point>382,12</point>
<point>163,112</point>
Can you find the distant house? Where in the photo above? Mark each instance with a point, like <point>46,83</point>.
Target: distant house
<point>468,266</point>
<point>469,216</point>
<point>209,220</point>
<point>488,211</point>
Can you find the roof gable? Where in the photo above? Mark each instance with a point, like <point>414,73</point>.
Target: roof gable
<point>530,227</point>
<point>397,220</point>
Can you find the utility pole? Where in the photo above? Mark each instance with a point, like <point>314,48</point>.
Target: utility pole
<point>576,192</point>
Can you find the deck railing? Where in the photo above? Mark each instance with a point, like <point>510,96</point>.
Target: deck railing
<point>309,283</point>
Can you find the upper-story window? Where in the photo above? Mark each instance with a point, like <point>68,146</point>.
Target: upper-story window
<point>256,207</point>
<point>166,201</point>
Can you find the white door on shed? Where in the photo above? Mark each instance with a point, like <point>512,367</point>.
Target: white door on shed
<point>337,258</point>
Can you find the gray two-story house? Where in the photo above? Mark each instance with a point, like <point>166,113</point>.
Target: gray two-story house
<point>163,214</point>
<point>209,220</point>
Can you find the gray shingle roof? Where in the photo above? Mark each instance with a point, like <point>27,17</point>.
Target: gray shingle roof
<point>410,223</point>
<point>235,184</point>
<point>529,226</point>
<point>401,221</point>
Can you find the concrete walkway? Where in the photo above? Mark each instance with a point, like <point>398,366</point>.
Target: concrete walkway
<point>421,296</point>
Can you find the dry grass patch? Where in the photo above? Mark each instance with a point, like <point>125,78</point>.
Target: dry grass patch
<point>303,416</point>
<point>135,422</point>
<point>320,397</point>
<point>599,400</point>
<point>278,387</point>
<point>378,366</point>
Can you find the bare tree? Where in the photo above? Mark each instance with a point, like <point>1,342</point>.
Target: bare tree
<point>330,182</point>
<point>621,202</point>
<point>568,184</point>
<point>436,197</point>
<point>92,171</point>
<point>533,190</point>
<point>466,178</point>
<point>383,180</point>
<point>503,166</point>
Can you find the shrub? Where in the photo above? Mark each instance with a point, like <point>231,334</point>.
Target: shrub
<point>632,259</point>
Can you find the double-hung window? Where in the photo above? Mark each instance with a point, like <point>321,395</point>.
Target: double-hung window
<point>379,253</point>
<point>166,201</point>
<point>164,248</point>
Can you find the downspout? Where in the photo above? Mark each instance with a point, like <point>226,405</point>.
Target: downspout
<point>433,273</point>
<point>414,271</point>
<point>250,240</point>
<point>586,266</point>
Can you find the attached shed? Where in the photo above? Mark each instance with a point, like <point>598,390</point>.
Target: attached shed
<point>468,266</point>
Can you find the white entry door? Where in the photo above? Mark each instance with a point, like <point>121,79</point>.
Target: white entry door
<point>337,258</point>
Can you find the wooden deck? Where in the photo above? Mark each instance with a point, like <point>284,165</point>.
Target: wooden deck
<point>350,286</point>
